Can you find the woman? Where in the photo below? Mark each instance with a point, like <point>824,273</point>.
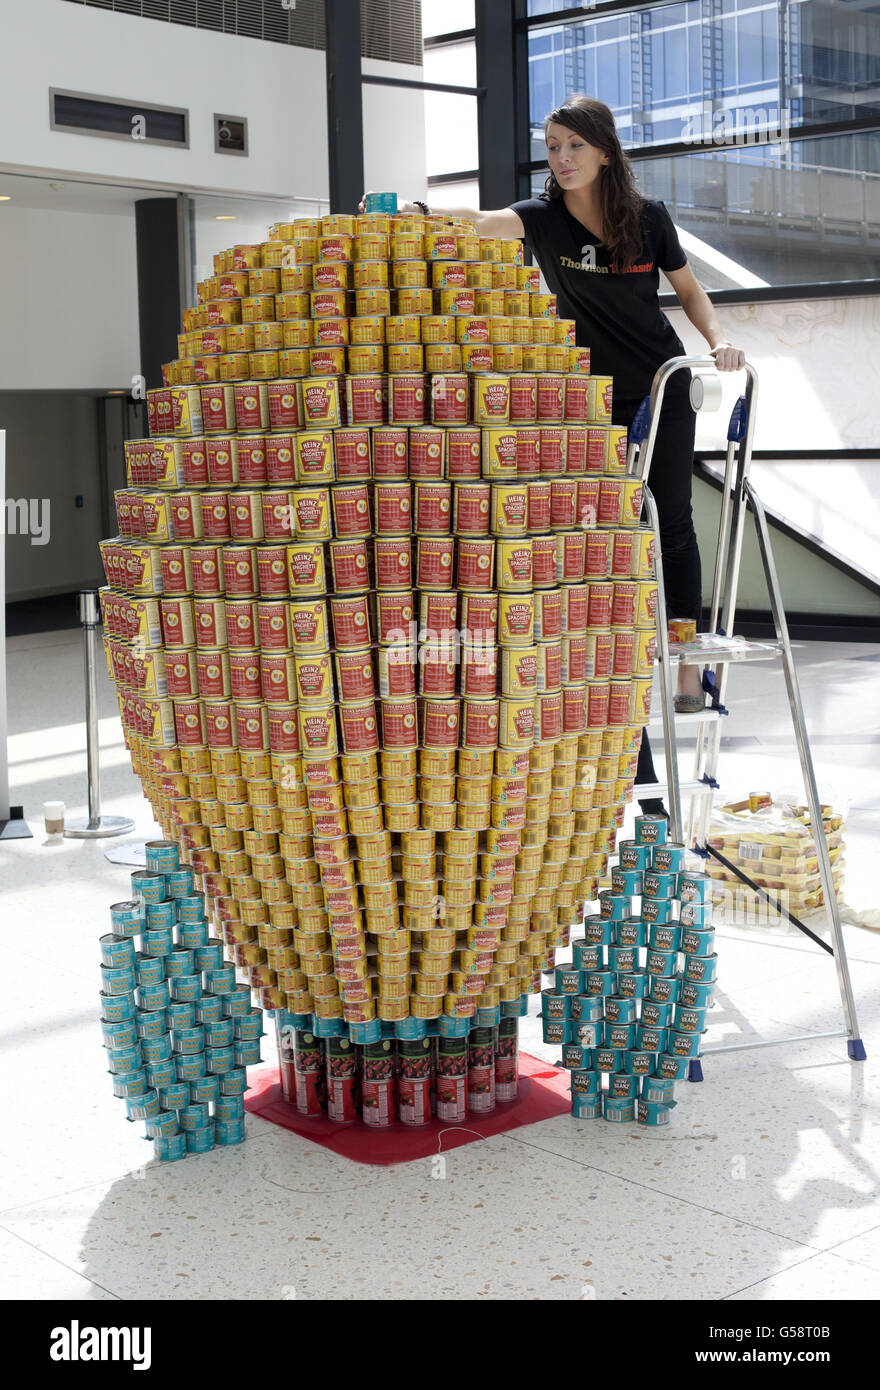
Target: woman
<point>600,246</point>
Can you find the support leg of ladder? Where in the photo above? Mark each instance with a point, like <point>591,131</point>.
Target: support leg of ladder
<point>855,1046</point>
<point>667,695</point>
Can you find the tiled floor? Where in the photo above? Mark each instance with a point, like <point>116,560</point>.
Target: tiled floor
<point>763,1187</point>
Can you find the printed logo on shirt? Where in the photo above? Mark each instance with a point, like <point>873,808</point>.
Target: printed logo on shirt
<point>588,262</point>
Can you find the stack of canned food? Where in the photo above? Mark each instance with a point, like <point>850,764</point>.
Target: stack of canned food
<point>630,1010</point>
<point>178,1030</point>
<point>382,619</point>
<point>383,1073</point>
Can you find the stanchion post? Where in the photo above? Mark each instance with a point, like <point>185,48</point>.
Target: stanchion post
<point>95,826</point>
<point>12,822</point>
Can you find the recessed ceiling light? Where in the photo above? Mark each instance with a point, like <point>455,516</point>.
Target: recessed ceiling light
<point>117,391</point>
<point>5,197</point>
<point>226,217</point>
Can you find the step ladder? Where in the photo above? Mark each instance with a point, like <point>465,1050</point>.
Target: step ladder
<point>716,651</point>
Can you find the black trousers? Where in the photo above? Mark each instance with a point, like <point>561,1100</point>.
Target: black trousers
<point>670,480</point>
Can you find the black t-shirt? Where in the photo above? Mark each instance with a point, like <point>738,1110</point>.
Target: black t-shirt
<point>618,316</point>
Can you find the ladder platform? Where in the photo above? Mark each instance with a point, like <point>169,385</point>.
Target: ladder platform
<point>651,791</point>
<point>686,721</point>
<point>710,649</point>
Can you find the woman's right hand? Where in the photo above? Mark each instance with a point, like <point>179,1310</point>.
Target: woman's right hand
<point>401,207</point>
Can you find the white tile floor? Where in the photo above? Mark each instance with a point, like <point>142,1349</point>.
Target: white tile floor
<point>764,1186</point>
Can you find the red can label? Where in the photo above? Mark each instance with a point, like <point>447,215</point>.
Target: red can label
<point>390,453</point>
<point>342,1099</point>
<point>438,670</point>
<point>575,449</point>
<point>210,622</point>
<point>426,453</point>
<point>550,398</point>
<point>273,626</point>
<point>433,508</point>
<point>479,723</point>
<point>395,616</point>
<point>218,408</point>
<point>393,507</point>
<point>437,616</point>
<point>463,453</point>
<point>213,673</point>
<point>479,671</point>
<point>377,1103</point>
<point>623,605</point>
<point>215,516</point>
<point>245,675</point>
<point>552,450</point>
<point>597,444</point>
<point>548,717</point>
<point>523,399</point>
<point>252,726</point>
<point>528,453</point>
<point>599,606</point>
<point>351,510</point>
<point>449,400</point>
<point>245,516</point>
<point>473,566</point>
<point>574,709</point>
<point>470,514</point>
<point>277,515</point>
<point>360,727</point>
<point>220,724</point>
<point>194,462</point>
<point>399,724</point>
<point>240,570</point>
<point>252,466</point>
<point>481,1089</point>
<point>185,507</point>
<point>285,405</point>
<point>283,728</point>
<point>251,406</point>
<point>406,398</point>
<point>351,621</point>
<point>540,510</point>
<point>434,563</point>
<point>621,554</point>
<point>574,659</point>
<point>353,453</point>
<point>241,624</point>
<point>597,704</point>
<point>543,560</point>
<point>439,721</point>
<point>272,570</point>
<point>603,655</point>
<point>624,654</point>
<point>393,562</point>
<point>610,503</point>
<point>354,675</point>
<point>350,565</point>
<point>596,554</point>
<point>563,502</point>
<point>548,614</point>
<point>479,618</point>
<point>414,1100</point>
<point>576,398</point>
<point>451,1098</point>
<point>366,400</point>
<point>397,671</point>
<point>570,550</point>
<point>280,466</point>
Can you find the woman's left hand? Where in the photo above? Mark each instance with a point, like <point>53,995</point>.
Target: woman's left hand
<point>727,358</point>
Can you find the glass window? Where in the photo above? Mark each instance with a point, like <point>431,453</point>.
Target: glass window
<point>446,16</point>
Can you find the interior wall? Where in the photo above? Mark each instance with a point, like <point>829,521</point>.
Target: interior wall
<point>51,459</point>
<point>68,290</point>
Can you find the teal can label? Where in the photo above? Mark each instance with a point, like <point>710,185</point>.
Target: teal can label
<point>153,997</point>
<point>156,1049</point>
<point>181,1015</point>
<point>142,1107</point>
<point>209,956</point>
<point>672,1068</point>
<point>238,1002</point>
<point>652,1039</point>
<point>621,1083</point>
<point>668,858</point>
<point>200,1141</point>
<point>229,1108</point>
<point>622,958</point>
<point>653,1112</point>
<point>620,1034</point>
<point>147,886</point>
<point>204,1088</point>
<point>179,963</point>
<point>246,1053</point>
<point>613,907</point>
<point>658,1088</point>
<point>608,1058</point>
<point>150,970</point>
<point>698,943</point>
<point>127,919</point>
<point>585,1082</point>
<point>221,1033</point>
<point>630,932</point>
<point>219,1060</point>
<point>117,951</point>
<point>162,856</point>
<point>699,968</point>
<point>158,943</point>
<point>665,990</point>
<point>555,1030</point>
<point>158,1125</point>
<point>618,1010</point>
<point>161,1073</point>
<point>665,936</point>
<point>229,1131</point>
<point>652,830</point>
<point>684,1044</point>
<point>250,1026</point>
<point>585,1008</point>
<point>123,1059</point>
<point>209,1009</point>
<point>117,1008</point>
<point>180,883</point>
<point>695,888</point>
<point>234,1083</point>
<point>129,1083</point>
<point>190,1066</point>
<point>120,1034</point>
<point>158,915</point>
<point>587,955</point>
<point>586,1107</point>
<point>632,855</point>
<point>170,1147</point>
<point>661,962</point>
<point>194,1116</point>
<point>656,1015</point>
<point>175,1096</point>
<point>618,1109</point>
<point>555,1005</point>
<point>117,980</point>
<point>602,982</point>
<point>627,881</point>
<point>221,981</point>
<point>633,985</point>
<point>689,1020</point>
<point>575,1057</point>
<point>695,914</point>
<point>186,989</point>
<point>656,910</point>
<point>660,885</point>
<point>188,1039</point>
<point>640,1063</point>
<point>697,995</point>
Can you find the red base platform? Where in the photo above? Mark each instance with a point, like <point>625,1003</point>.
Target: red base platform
<point>543,1093</point>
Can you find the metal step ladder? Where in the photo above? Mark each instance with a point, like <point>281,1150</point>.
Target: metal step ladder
<point>716,651</point>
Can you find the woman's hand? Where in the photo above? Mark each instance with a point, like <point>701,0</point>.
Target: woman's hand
<point>401,207</point>
<point>727,358</point>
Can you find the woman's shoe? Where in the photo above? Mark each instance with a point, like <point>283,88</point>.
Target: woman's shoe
<point>689,704</point>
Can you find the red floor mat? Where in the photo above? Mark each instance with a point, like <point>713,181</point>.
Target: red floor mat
<point>543,1093</point>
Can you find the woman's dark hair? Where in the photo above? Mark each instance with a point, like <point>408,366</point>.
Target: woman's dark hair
<point>619,200</point>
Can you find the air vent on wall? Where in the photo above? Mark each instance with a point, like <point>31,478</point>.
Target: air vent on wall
<point>391,30</point>
<point>141,122</point>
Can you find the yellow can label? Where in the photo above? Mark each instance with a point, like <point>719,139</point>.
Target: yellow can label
<point>490,400</point>
<point>366,331</point>
<point>499,453</point>
<point>519,671</point>
<point>516,620</point>
<point>513,565</point>
<point>599,400</point>
<point>308,622</point>
<point>516,726</point>
<point>509,509</point>
<point>314,456</point>
<point>410,274</point>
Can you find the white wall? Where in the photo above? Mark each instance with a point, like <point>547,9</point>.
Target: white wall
<point>394,132</point>
<point>68,291</point>
<point>51,456</point>
<point>280,88</point>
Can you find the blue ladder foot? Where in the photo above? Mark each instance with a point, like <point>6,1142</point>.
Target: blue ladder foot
<point>695,1070</point>
<point>856,1050</point>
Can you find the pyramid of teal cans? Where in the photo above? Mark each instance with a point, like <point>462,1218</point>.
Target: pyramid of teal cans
<point>630,1011</point>
<point>178,1030</point>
